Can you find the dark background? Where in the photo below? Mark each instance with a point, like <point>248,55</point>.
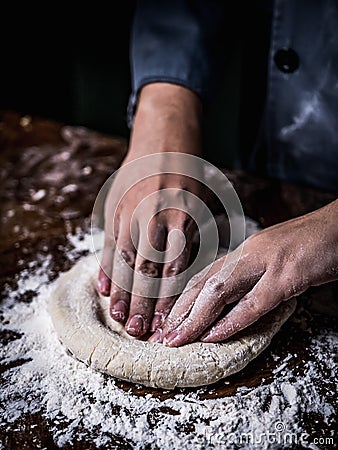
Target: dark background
<point>73,66</point>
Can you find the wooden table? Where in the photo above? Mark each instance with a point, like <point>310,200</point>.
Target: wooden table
<point>50,176</point>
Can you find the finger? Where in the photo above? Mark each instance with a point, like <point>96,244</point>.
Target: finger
<point>146,280</point>
<point>122,278</point>
<point>181,309</point>
<point>172,270</point>
<point>161,311</point>
<point>106,266</point>
<point>185,302</point>
<point>202,313</point>
<point>217,292</point>
<point>260,300</point>
<point>104,277</point>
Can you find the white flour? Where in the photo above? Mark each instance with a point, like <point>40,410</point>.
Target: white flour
<point>83,404</point>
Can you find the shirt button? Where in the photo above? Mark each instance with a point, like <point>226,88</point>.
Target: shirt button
<point>287,60</point>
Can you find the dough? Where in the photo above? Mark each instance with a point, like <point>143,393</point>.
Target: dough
<point>81,320</point>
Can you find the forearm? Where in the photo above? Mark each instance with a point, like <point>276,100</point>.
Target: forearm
<point>327,244</point>
<point>168,118</point>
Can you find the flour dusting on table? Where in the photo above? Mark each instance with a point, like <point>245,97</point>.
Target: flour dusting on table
<point>81,404</point>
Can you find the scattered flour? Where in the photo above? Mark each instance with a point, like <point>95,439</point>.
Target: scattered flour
<point>80,403</point>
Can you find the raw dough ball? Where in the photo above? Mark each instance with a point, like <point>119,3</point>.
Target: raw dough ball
<point>81,319</point>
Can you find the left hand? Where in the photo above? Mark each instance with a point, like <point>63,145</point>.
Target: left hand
<point>275,265</point>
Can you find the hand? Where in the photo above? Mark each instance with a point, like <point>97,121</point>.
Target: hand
<point>276,264</point>
<point>134,233</point>
<point>167,120</point>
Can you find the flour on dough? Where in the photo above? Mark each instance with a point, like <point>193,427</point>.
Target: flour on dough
<point>81,320</point>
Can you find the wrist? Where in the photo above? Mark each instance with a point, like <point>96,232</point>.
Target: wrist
<point>168,118</point>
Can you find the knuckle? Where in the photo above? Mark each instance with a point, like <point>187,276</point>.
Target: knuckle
<point>256,307</point>
<point>149,268</point>
<point>252,306</point>
<point>292,281</point>
<point>291,287</point>
<point>214,286</point>
<point>172,269</point>
<point>129,257</point>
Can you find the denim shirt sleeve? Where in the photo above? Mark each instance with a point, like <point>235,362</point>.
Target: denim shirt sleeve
<point>176,41</point>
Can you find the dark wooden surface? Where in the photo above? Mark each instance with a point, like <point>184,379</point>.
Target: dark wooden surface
<point>50,176</point>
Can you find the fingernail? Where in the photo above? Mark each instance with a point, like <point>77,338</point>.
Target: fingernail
<point>171,338</point>
<point>157,321</point>
<point>136,325</point>
<point>103,287</point>
<point>212,337</point>
<point>205,337</point>
<point>156,337</point>
<point>119,311</point>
